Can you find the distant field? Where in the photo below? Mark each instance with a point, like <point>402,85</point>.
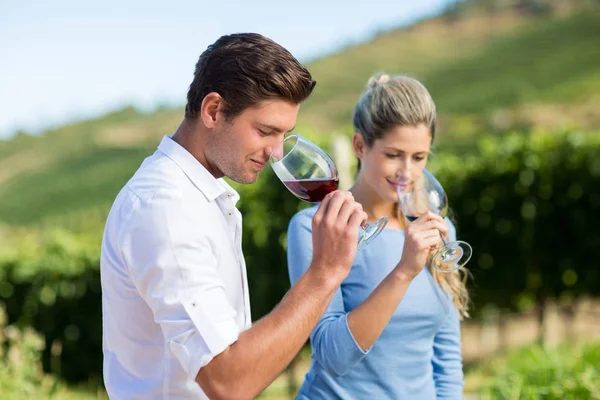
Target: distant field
<point>533,70</point>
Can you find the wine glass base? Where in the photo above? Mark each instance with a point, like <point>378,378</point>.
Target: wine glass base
<point>369,232</point>
<point>452,256</point>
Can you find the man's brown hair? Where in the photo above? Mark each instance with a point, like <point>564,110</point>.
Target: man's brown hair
<point>245,69</point>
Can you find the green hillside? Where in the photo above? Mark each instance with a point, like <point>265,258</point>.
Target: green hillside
<point>543,70</point>
<point>487,62</point>
<point>543,62</point>
<point>76,167</point>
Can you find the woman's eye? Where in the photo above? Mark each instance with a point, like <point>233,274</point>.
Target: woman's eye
<point>419,159</point>
<point>388,155</point>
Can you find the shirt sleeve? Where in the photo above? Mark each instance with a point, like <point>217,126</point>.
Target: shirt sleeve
<point>447,359</point>
<point>447,356</point>
<point>332,343</point>
<point>171,261</point>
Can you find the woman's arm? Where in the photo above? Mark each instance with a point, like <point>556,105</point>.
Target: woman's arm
<point>342,339</point>
<point>447,359</point>
<point>369,319</point>
<point>333,345</point>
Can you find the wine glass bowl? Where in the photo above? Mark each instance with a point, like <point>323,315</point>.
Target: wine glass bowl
<point>310,174</point>
<point>305,169</point>
<point>427,194</point>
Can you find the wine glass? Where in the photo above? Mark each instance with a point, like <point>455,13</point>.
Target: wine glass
<point>427,194</point>
<point>310,174</point>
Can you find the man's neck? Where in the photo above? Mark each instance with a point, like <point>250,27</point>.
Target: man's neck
<point>191,137</point>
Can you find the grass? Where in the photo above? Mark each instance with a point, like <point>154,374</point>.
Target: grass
<point>562,373</point>
<point>568,371</point>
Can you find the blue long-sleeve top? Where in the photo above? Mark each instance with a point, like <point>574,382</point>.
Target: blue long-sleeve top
<point>418,354</point>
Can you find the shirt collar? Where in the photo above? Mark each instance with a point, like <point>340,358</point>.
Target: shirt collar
<point>229,191</point>
<point>210,186</point>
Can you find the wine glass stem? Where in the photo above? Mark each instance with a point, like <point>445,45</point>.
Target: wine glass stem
<point>443,239</point>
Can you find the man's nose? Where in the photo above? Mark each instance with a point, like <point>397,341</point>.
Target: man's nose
<point>276,150</point>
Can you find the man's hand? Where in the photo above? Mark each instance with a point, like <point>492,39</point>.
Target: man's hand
<point>335,228</point>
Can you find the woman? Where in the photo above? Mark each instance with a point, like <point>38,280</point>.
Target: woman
<point>392,330</point>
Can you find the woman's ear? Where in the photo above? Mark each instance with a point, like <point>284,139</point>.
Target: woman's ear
<point>359,145</point>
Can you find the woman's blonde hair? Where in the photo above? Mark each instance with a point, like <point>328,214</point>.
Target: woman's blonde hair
<point>397,101</point>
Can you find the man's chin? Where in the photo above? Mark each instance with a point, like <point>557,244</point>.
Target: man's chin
<point>245,179</point>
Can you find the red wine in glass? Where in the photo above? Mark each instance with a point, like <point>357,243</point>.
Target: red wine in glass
<point>410,218</point>
<point>312,190</point>
<point>310,174</point>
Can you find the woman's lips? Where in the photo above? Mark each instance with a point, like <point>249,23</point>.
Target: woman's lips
<point>398,186</point>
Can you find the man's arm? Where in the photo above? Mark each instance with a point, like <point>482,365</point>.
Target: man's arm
<point>259,355</point>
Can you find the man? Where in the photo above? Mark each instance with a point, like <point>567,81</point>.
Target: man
<point>176,315</point>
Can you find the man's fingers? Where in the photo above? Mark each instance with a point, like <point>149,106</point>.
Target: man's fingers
<point>335,204</point>
<point>323,207</point>
<point>347,209</point>
<point>358,218</point>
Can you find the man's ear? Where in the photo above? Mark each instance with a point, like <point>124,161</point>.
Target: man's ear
<point>209,110</point>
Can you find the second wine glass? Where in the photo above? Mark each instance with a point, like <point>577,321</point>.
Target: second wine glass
<point>310,174</point>
<point>427,194</point>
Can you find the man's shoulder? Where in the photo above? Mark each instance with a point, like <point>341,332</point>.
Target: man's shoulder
<point>158,187</point>
<point>157,174</point>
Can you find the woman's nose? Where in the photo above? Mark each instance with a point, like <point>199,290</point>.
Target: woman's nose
<point>403,172</point>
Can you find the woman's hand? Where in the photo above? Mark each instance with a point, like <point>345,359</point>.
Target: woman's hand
<point>422,236</point>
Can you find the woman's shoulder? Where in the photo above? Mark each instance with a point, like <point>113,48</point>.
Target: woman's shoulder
<point>451,229</point>
<point>309,211</point>
<point>303,218</point>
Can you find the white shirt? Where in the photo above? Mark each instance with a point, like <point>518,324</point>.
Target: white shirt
<point>174,285</point>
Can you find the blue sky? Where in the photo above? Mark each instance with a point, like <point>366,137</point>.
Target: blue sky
<point>67,60</point>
